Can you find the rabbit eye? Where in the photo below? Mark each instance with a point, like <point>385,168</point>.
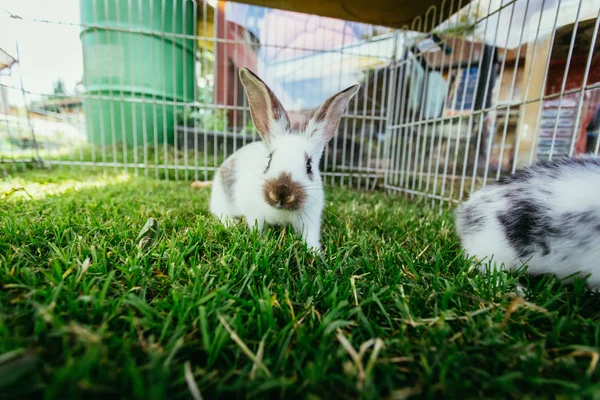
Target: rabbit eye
<point>269,162</point>
<point>309,166</point>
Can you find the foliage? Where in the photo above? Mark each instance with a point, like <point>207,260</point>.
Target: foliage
<point>204,118</point>
<point>58,89</point>
<point>468,19</point>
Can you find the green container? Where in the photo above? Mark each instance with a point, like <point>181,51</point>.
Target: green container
<point>137,71</point>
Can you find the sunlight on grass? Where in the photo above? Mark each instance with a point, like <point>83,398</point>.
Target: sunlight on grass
<point>18,188</point>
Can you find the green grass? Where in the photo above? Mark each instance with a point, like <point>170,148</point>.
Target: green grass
<point>391,310</point>
<point>157,159</point>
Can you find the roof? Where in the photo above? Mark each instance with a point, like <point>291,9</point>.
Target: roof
<point>521,21</point>
<point>391,13</point>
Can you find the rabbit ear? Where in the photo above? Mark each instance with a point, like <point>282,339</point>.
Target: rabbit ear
<point>323,122</point>
<point>268,114</point>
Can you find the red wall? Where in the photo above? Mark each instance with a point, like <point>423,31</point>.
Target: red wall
<point>574,81</point>
<point>230,57</point>
<point>575,74</point>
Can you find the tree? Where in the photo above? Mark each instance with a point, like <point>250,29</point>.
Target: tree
<point>58,89</point>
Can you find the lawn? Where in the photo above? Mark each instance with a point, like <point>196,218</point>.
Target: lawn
<point>389,311</point>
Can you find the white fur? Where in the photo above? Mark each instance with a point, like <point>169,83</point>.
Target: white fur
<point>288,155</point>
<point>289,151</point>
<point>573,244</point>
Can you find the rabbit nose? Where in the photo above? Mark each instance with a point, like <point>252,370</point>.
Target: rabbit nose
<point>284,193</point>
<point>280,196</point>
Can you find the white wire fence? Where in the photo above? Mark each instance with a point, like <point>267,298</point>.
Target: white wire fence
<point>467,93</point>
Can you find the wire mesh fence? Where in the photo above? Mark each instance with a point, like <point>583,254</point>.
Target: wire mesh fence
<point>467,93</point>
<point>500,86</point>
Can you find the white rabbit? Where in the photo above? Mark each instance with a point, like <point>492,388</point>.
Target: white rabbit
<point>277,180</point>
<point>546,216</point>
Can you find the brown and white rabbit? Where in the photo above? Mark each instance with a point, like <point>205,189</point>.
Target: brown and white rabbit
<point>277,181</point>
<point>546,216</point>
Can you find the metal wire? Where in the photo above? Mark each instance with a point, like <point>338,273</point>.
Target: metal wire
<point>581,96</point>
<point>196,115</point>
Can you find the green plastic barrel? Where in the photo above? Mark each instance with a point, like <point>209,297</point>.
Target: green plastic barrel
<point>138,68</point>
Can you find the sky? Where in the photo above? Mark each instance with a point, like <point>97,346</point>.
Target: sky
<point>48,51</point>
